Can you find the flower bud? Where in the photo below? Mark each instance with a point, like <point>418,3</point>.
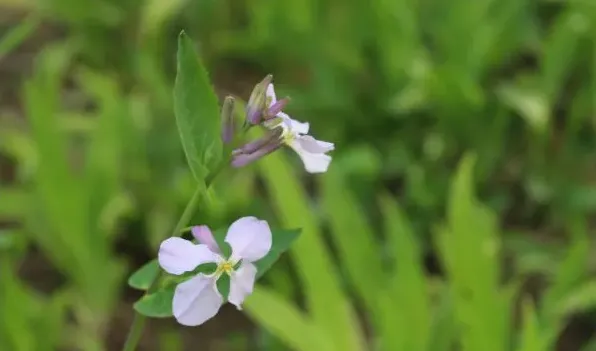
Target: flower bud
<point>276,108</point>
<point>227,120</point>
<point>257,101</point>
<point>253,146</point>
<point>257,149</point>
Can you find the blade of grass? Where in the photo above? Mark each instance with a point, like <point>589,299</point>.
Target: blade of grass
<point>329,307</point>
<point>408,285</point>
<point>289,324</point>
<point>355,240</point>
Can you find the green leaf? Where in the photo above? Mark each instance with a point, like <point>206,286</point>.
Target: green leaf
<point>346,215</point>
<point>324,297</point>
<point>470,246</point>
<point>581,299</point>
<point>531,336</point>
<point>223,286</point>
<point>411,306</point>
<point>18,34</point>
<point>197,111</point>
<point>144,276</point>
<point>282,240</point>
<point>158,304</point>
<point>285,321</point>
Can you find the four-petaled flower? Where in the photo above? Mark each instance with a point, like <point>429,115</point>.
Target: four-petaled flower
<point>312,152</point>
<point>197,299</point>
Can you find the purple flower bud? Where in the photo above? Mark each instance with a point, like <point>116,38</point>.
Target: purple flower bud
<point>257,149</point>
<point>257,102</point>
<point>227,120</point>
<point>253,146</point>
<point>203,235</point>
<point>276,108</point>
<point>244,159</point>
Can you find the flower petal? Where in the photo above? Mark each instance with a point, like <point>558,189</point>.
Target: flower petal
<point>177,255</point>
<point>241,284</point>
<point>271,93</point>
<point>204,236</point>
<point>313,162</point>
<point>250,239</point>
<point>312,145</point>
<point>196,300</point>
<point>294,125</point>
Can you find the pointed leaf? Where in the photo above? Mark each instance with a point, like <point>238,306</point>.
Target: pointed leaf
<point>144,276</point>
<point>282,240</point>
<point>158,304</point>
<point>197,111</point>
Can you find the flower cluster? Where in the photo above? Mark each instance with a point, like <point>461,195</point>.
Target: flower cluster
<point>265,110</point>
<point>198,299</point>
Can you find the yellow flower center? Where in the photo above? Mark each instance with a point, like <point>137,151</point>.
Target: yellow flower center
<point>225,267</point>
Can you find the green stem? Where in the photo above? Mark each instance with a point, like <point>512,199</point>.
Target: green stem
<point>138,323</point>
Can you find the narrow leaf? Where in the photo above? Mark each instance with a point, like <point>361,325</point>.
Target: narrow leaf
<point>325,299</point>
<point>408,290</point>
<point>283,320</point>
<point>531,338</point>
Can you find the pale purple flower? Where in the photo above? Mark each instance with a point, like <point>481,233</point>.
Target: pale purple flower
<point>295,134</point>
<point>197,299</point>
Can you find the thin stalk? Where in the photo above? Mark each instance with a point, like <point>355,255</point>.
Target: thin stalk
<point>138,323</point>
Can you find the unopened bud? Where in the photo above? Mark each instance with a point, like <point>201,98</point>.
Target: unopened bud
<point>227,120</point>
<point>258,101</point>
<point>271,136</point>
<point>276,108</point>
<point>257,149</point>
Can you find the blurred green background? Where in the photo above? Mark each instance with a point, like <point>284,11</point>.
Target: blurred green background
<point>457,213</point>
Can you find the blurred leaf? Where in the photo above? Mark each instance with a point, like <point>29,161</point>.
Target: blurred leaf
<point>407,284</point>
<point>579,300</point>
<point>155,13</point>
<point>469,248</point>
<point>18,34</point>
<point>354,238</point>
<point>529,102</point>
<point>15,202</point>
<point>104,160</point>
<point>15,333</point>
<point>559,50</point>
<point>144,276</point>
<point>590,345</point>
<point>282,241</point>
<point>287,323</point>
<point>157,304</point>
<point>59,193</point>
<point>531,338</point>
<point>325,301</point>
<point>572,270</point>
<point>444,331</point>
<point>197,111</point>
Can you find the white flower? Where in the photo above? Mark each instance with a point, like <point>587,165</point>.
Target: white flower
<point>312,152</point>
<point>197,299</point>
